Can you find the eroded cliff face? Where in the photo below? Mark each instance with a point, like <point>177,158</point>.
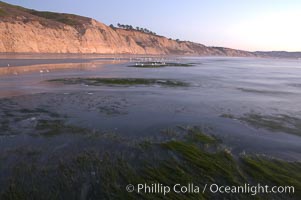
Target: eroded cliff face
<point>29,31</point>
<point>37,38</point>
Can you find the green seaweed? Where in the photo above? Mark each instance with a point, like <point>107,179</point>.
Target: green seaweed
<point>121,81</point>
<point>57,127</point>
<point>91,175</point>
<point>218,164</point>
<point>273,172</point>
<point>226,115</point>
<point>196,135</point>
<point>277,123</point>
<point>281,123</point>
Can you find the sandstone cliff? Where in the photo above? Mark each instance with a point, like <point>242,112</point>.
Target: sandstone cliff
<point>29,31</point>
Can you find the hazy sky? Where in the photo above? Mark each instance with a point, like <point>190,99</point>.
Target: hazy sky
<point>243,24</point>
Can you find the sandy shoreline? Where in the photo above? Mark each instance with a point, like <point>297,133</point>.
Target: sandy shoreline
<point>45,68</point>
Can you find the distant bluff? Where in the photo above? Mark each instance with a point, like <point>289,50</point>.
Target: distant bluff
<point>29,31</point>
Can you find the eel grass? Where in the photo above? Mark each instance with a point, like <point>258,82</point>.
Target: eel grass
<point>121,81</point>
<point>91,175</point>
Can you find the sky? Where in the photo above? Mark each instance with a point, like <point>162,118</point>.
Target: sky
<point>252,25</point>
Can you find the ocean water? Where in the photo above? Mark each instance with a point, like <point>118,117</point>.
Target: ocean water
<point>252,104</point>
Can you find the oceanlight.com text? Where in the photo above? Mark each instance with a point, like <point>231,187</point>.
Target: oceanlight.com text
<point>190,188</point>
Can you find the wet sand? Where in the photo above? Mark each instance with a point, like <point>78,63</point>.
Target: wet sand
<point>46,68</point>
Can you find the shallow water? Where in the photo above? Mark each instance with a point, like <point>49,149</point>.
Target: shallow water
<point>223,92</point>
